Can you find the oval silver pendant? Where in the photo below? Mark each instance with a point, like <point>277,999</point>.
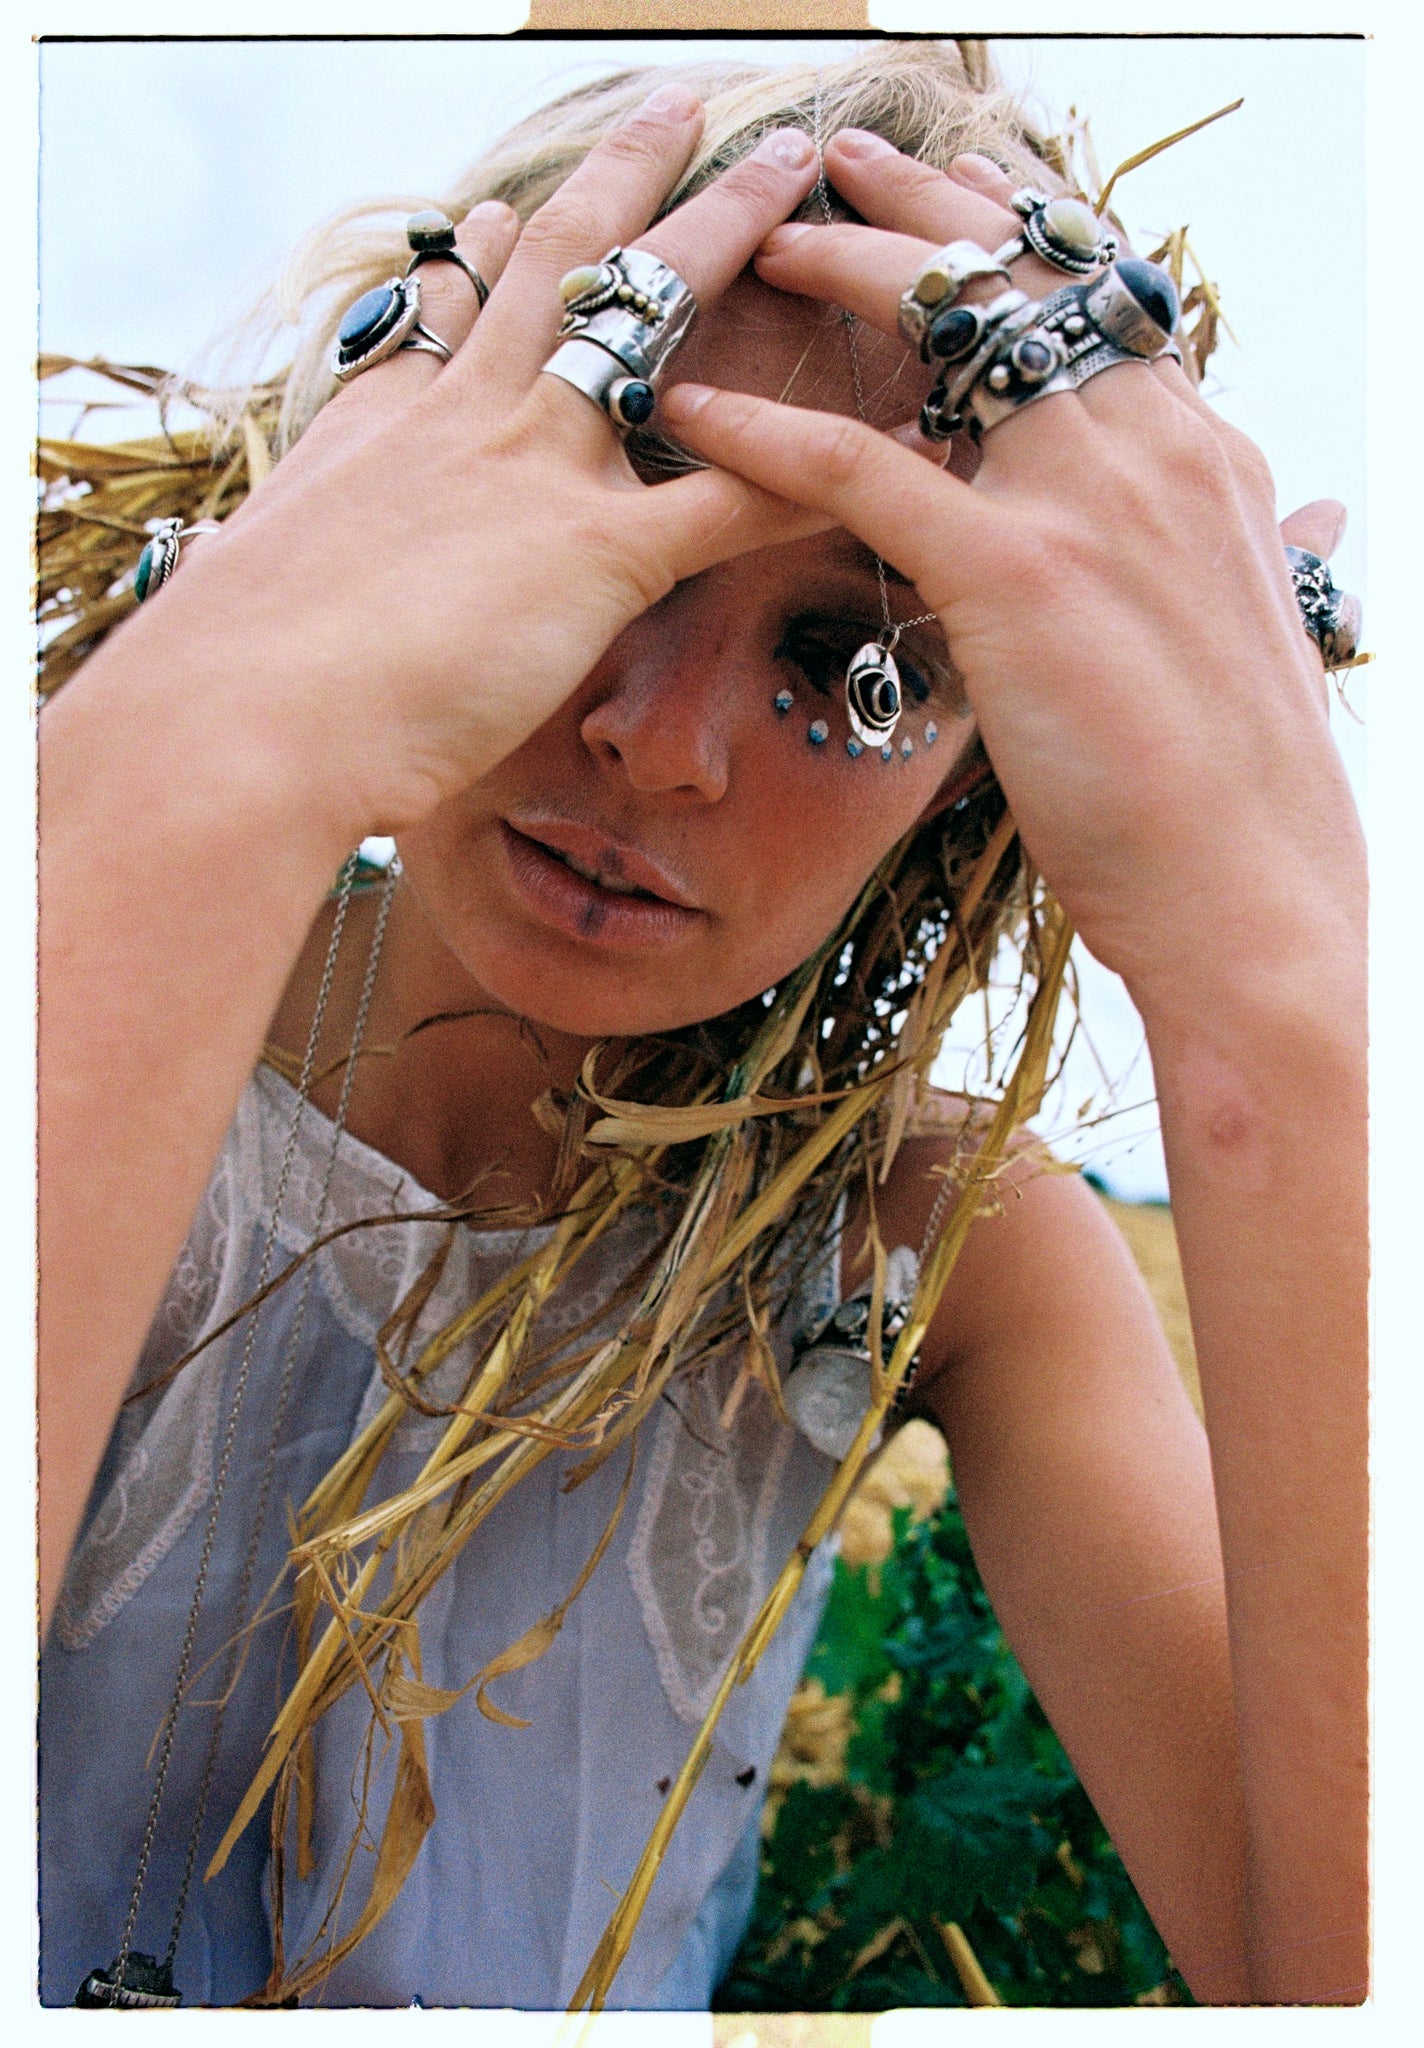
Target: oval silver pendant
<point>873,694</point>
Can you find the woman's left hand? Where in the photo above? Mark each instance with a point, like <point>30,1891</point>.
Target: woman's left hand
<point>1113,589</point>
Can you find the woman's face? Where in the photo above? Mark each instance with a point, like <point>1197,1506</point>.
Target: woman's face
<point>670,843</point>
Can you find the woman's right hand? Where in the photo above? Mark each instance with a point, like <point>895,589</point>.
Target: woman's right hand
<point>450,549</point>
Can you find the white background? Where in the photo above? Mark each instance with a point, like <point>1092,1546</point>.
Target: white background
<point>175,177</point>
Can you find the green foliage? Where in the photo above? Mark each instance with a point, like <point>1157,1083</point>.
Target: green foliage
<point>958,1804</point>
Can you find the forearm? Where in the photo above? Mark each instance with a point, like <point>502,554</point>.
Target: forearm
<point>1261,1081</point>
<point>183,857</point>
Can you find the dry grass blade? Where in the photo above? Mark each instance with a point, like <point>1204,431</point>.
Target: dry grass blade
<point>1144,156</point>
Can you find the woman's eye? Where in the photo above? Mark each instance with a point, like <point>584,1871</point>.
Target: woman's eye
<point>824,662</point>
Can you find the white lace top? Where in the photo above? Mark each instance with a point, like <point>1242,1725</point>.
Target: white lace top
<point>537,1827</point>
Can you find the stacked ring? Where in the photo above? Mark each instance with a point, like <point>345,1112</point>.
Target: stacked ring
<point>965,341</point>
<point>933,290</point>
<point>1126,315</point>
<point>623,320</point>
<point>1062,232</point>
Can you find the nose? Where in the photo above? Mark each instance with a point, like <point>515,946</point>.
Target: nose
<point>667,699</point>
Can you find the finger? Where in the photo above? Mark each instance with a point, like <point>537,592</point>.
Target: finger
<point>863,269</point>
<point>1319,527</point>
<point>891,190</point>
<point>710,239</point>
<point>449,307</point>
<point>930,526</point>
<point>697,521</point>
<point>606,201</point>
<point>981,174</point>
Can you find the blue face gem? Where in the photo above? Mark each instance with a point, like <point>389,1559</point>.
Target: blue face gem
<point>887,752</point>
<point>783,701</point>
<point>854,749</point>
<point>907,746</point>
<point>819,733</point>
<point>361,320</point>
<point>931,735</point>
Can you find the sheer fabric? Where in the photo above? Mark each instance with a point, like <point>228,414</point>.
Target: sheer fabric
<point>536,1827</point>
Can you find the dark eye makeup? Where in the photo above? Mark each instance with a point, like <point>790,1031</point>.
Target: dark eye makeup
<point>821,646</point>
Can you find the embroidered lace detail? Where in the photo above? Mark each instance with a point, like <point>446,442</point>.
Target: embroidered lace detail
<point>698,1556</point>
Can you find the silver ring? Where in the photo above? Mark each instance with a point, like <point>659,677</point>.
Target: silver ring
<point>374,326</point>
<point>624,318</point>
<point>936,285</point>
<point>1331,617</point>
<point>159,557</point>
<point>431,235</point>
<point>1060,231</point>
<point>995,324</point>
<point>1125,316</point>
<point>420,337</point>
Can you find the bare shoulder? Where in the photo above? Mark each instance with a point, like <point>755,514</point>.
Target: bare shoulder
<point>1044,1282</point>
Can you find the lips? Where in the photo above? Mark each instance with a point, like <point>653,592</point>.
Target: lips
<point>594,887</point>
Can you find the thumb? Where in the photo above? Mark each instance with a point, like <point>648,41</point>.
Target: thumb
<point>1319,527</point>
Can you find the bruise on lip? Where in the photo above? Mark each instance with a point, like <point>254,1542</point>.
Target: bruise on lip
<point>592,918</point>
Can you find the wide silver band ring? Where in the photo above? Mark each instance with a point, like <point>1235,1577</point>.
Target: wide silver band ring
<point>1072,337</point>
<point>625,317</point>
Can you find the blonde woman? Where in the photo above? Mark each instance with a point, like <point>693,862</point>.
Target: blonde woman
<point>596,689</point>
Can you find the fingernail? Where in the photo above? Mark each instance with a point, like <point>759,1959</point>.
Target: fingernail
<point>1337,531</point>
<point>490,209</point>
<point>782,238</point>
<point>671,103</point>
<point>790,146</point>
<point>975,166</point>
<point>863,142</point>
<point>685,399</point>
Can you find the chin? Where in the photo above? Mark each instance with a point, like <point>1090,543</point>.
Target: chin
<point>597,998</point>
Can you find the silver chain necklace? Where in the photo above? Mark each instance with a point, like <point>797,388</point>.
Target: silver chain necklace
<point>134,1979</point>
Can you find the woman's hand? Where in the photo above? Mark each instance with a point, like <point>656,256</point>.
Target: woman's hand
<point>1113,589</point>
<point>450,549</point>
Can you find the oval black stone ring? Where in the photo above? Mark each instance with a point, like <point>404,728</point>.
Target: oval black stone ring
<point>381,321</point>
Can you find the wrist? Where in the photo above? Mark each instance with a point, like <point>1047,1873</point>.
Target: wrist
<point>181,698</point>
